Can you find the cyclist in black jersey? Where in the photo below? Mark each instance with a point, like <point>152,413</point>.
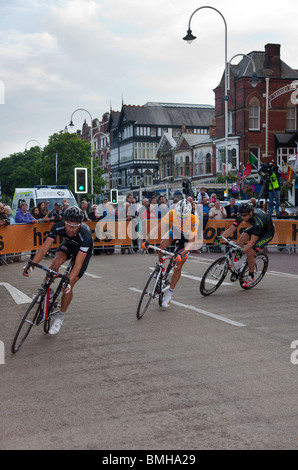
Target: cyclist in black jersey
<point>254,238</point>
<point>78,242</point>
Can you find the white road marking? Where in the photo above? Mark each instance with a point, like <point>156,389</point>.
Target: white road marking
<point>18,296</point>
<point>198,310</point>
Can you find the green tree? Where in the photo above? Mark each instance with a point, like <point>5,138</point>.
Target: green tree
<point>36,166</point>
<point>71,152</point>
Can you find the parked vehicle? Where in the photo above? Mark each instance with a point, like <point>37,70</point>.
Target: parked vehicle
<point>33,196</point>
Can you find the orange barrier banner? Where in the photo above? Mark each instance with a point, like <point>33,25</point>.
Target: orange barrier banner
<point>25,237</point>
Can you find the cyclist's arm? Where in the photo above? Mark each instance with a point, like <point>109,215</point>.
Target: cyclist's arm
<point>229,232</point>
<point>80,258</point>
<point>253,240</point>
<point>43,250</point>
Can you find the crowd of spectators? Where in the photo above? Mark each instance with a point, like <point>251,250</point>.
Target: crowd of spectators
<point>210,208</point>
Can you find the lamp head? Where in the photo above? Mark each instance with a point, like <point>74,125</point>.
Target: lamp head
<point>254,80</point>
<point>71,124</point>
<point>189,37</point>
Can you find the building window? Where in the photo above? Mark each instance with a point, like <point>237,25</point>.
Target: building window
<point>208,163</point>
<point>254,115</point>
<point>230,122</point>
<point>291,124</point>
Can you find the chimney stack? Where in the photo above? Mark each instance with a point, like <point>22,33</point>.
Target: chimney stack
<point>272,59</point>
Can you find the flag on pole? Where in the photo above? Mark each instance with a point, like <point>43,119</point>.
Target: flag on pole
<point>290,173</point>
<point>296,161</point>
<point>252,160</point>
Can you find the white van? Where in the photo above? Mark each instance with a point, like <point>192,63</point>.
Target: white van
<point>33,196</point>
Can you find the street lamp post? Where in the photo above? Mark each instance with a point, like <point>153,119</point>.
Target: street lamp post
<point>267,73</point>
<point>32,140</point>
<point>189,38</point>
<point>254,79</point>
<point>71,124</point>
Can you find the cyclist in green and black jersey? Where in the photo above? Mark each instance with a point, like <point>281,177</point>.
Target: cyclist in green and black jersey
<point>254,238</point>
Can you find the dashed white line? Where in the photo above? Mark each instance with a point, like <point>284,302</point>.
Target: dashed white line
<point>200,311</point>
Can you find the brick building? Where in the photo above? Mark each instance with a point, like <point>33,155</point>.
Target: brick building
<point>247,111</point>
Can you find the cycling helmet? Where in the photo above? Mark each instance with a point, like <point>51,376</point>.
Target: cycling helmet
<point>74,214</point>
<point>245,208</point>
<point>183,208</point>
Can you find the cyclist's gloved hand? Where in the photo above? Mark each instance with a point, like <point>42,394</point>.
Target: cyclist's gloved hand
<point>27,270</point>
<point>145,245</point>
<point>217,239</point>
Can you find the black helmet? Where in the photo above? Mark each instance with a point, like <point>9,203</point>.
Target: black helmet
<point>74,214</point>
<point>245,207</point>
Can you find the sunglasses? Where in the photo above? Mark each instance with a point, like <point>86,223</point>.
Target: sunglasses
<point>73,225</point>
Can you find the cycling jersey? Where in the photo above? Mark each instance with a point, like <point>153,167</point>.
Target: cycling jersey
<point>262,227</point>
<point>71,246</point>
<point>182,229</point>
<point>261,223</point>
<point>81,241</point>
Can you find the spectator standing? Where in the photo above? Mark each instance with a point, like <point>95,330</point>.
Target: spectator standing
<point>65,205</point>
<point>232,209</point>
<point>23,216</point>
<point>4,220</point>
<point>217,212</point>
<point>7,212</point>
<point>274,188</point>
<point>162,207</point>
<point>55,215</point>
<point>205,209</point>
<point>84,206</point>
<point>42,210</point>
<point>202,194</point>
<point>108,214</point>
<point>94,216</point>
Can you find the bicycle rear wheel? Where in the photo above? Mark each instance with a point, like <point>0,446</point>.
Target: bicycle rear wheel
<point>32,317</point>
<point>262,261</point>
<point>149,292</point>
<point>214,276</point>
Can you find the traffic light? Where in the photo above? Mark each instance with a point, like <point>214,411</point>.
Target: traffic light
<point>81,180</point>
<point>114,196</point>
<point>186,188</point>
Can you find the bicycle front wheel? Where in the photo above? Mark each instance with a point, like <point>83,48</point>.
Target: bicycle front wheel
<point>150,292</point>
<point>214,276</point>
<point>261,260</point>
<point>32,317</point>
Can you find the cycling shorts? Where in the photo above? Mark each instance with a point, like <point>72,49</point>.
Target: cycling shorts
<point>72,250</point>
<point>262,241</point>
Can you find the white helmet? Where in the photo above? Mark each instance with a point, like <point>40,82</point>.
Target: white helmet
<point>183,208</point>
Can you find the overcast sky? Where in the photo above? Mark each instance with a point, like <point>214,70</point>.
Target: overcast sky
<point>60,55</point>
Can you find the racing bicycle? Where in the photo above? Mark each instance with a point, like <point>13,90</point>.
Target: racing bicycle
<point>217,271</point>
<point>44,304</point>
<point>159,280</point>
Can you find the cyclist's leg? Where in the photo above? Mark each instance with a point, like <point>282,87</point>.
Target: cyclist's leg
<point>61,255</point>
<point>166,240</point>
<point>177,273</point>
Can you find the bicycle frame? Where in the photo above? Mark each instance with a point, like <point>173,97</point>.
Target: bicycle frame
<point>37,312</point>
<point>160,276</point>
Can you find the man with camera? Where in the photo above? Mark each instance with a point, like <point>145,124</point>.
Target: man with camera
<point>271,182</point>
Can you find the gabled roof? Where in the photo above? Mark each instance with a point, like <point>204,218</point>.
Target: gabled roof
<point>192,140</point>
<point>167,141</point>
<point>168,114</point>
<point>245,68</point>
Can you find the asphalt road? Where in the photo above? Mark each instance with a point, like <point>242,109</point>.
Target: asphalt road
<point>208,373</point>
